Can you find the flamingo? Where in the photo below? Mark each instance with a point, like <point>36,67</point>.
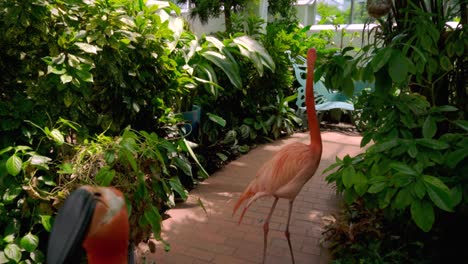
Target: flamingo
<point>290,168</point>
<point>93,218</point>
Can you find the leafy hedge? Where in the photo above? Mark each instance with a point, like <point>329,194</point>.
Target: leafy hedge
<point>414,125</point>
<point>90,93</point>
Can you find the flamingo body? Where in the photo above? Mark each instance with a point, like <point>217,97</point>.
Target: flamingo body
<point>291,167</point>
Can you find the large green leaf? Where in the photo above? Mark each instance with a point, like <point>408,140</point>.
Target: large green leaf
<point>432,143</point>
<point>403,168</point>
<point>422,214</point>
<point>398,67</point>
<point>429,127</point>
<point>14,165</point>
<point>29,242</point>
<point>176,185</point>
<point>403,198</point>
<point>46,221</point>
<point>348,176</point>
<point>439,193</point>
<point>360,183</point>
<point>184,142</point>
<point>462,123</point>
<point>13,252</point>
<point>217,119</point>
<point>226,65</point>
<point>153,218</point>
<point>105,176</point>
<point>381,58</point>
<point>184,165</point>
<point>377,187</point>
<point>256,51</point>
<point>88,48</point>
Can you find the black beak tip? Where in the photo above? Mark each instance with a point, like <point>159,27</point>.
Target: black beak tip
<point>70,226</point>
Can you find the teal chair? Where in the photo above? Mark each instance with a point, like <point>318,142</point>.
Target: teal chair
<point>325,99</point>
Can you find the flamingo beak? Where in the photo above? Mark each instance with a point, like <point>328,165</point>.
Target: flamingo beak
<point>83,221</point>
<point>70,227</point>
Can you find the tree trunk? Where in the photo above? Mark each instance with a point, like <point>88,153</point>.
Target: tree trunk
<point>227,16</point>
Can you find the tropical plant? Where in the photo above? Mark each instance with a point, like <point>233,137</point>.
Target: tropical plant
<point>414,169</point>
<point>205,9</point>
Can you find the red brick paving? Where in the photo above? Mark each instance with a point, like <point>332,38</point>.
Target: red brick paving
<point>215,237</point>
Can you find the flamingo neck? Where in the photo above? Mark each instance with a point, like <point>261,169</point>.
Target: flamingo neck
<point>314,127</point>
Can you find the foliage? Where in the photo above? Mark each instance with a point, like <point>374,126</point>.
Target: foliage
<point>406,170</point>
<point>361,235</point>
<point>204,9</point>
<point>414,168</point>
<point>330,14</point>
<point>146,167</point>
<point>284,8</point>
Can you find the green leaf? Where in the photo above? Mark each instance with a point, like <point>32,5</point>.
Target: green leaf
<point>217,119</point>
<point>419,189</point>
<point>377,187</point>
<point>88,48</point>
<point>453,158</point>
<point>398,67</point>
<point>348,175</point>
<point>226,66</point>
<point>457,194</point>
<point>360,183</point>
<point>445,63</point>
<point>432,143</point>
<point>194,157</point>
<point>13,252</point>
<point>105,176</point>
<point>462,123</point>
<point>37,256</point>
<point>153,217</point>
<point>5,150</point>
<point>29,242</point>
<point>57,136</point>
<point>9,238</point>
<point>429,127</point>
<point>381,58</point>
<point>412,150</point>
<point>65,78</point>
<point>444,108</point>
<point>377,179</point>
<point>403,168</point>
<point>66,168</point>
<point>403,199</point>
<point>221,156</point>
<point>384,145</point>
<point>3,258</point>
<point>46,221</point>
<point>85,75</point>
<point>184,165</point>
<point>439,193</point>
<point>11,193</point>
<point>422,214</point>
<point>176,185</point>
<point>401,179</point>
<point>14,165</point>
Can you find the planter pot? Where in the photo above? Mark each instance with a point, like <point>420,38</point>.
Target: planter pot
<point>193,117</point>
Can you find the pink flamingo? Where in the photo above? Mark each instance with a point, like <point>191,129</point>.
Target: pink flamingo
<point>284,175</point>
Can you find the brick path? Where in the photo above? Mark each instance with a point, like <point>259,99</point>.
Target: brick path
<point>215,237</point>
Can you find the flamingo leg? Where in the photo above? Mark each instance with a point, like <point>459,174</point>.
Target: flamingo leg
<point>266,228</point>
<point>286,232</point>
